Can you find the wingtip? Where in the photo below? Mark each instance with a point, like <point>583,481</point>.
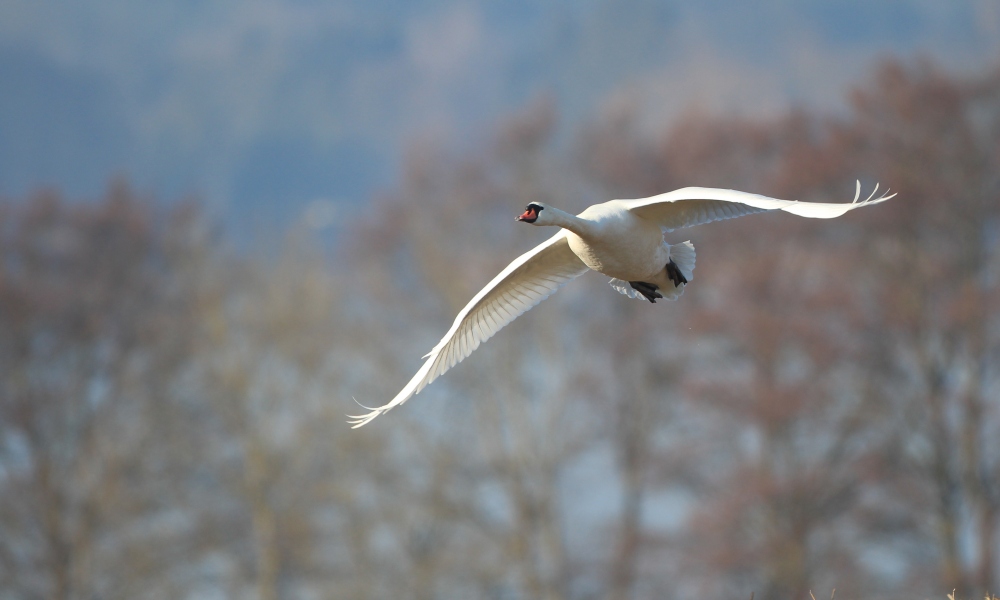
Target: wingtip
<point>362,405</point>
<point>885,196</point>
<point>356,421</point>
<point>871,199</point>
<point>872,195</point>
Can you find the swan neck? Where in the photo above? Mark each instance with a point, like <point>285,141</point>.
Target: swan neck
<point>563,219</point>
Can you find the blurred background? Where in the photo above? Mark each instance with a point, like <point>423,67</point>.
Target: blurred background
<point>220,221</point>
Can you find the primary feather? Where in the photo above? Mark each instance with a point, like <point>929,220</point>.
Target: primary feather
<point>531,278</point>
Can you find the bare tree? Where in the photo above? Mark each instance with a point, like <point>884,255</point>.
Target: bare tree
<point>819,409</point>
<point>90,322</point>
<point>914,328</point>
<point>938,255</point>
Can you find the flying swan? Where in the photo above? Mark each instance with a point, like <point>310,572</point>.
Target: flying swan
<point>622,239</point>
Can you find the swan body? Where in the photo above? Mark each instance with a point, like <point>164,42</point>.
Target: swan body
<point>621,239</point>
<point>618,243</point>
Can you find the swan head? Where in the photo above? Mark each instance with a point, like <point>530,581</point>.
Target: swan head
<point>531,213</point>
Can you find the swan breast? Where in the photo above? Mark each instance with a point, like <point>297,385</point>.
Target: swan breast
<point>620,244</point>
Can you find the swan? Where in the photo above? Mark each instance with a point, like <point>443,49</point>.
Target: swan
<point>621,239</point>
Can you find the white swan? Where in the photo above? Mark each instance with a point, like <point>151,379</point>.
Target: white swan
<point>622,239</point>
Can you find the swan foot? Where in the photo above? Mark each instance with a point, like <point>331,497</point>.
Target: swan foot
<point>674,273</point>
<point>648,290</point>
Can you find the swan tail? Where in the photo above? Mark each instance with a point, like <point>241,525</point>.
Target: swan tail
<point>683,256</point>
<point>678,272</point>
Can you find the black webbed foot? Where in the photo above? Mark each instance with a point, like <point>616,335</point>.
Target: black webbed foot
<point>674,273</point>
<point>648,290</point>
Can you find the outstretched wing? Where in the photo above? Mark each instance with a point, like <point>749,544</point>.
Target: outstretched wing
<point>691,206</point>
<point>531,278</point>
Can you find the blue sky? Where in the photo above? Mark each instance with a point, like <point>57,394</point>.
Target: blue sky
<point>262,107</point>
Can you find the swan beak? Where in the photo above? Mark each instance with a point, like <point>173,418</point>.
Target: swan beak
<point>529,216</point>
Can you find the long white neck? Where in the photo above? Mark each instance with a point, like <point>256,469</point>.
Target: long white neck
<point>560,218</point>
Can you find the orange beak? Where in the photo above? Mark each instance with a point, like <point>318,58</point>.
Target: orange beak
<point>529,216</point>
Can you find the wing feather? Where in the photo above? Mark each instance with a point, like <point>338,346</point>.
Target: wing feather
<point>531,278</point>
<point>691,206</point>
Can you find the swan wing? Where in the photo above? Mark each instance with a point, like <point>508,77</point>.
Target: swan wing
<point>531,278</point>
<point>691,206</point>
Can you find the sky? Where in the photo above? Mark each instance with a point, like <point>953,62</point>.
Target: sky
<point>269,110</point>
